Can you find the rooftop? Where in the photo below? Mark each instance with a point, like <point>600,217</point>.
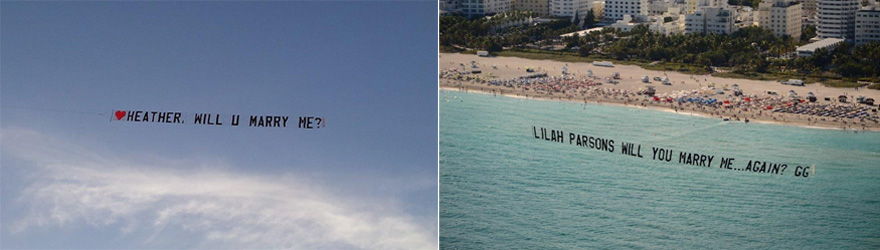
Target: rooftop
<point>820,44</point>
<point>871,7</point>
<point>583,32</point>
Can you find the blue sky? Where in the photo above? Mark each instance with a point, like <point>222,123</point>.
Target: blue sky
<point>76,180</point>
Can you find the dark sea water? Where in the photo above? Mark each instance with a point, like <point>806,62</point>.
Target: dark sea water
<point>501,188</point>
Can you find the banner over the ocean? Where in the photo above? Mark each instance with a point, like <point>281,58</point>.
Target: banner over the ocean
<point>662,154</point>
<point>218,119</point>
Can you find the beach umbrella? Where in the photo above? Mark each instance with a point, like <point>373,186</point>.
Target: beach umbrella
<point>656,98</point>
<point>769,107</point>
<point>726,102</point>
<point>748,99</point>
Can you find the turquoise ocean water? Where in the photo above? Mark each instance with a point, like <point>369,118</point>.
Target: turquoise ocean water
<point>501,188</point>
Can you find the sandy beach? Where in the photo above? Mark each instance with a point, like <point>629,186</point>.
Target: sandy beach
<point>505,76</point>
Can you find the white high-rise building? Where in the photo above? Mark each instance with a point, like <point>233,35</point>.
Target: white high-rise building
<point>711,20</point>
<point>658,7</point>
<point>449,5</point>
<point>868,25</point>
<point>836,18</point>
<point>485,7</point>
<point>655,23</point>
<point>676,26</point>
<point>542,7</point>
<point>783,17</point>
<point>692,5</point>
<point>809,11</point>
<point>568,8</point>
<point>599,9</point>
<point>745,16</point>
<point>616,9</point>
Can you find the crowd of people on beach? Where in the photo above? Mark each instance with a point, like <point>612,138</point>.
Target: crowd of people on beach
<point>707,99</point>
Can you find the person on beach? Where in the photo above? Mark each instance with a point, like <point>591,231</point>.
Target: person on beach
<point>586,88</point>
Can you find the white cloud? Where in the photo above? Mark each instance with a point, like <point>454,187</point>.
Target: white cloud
<point>72,186</point>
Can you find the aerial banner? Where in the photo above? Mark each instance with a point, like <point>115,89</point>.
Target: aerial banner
<point>218,119</point>
<point>663,154</point>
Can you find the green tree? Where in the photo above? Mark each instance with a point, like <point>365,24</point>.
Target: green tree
<point>703,60</point>
<point>656,53</point>
<point>820,58</point>
<point>584,50</point>
<point>760,64</point>
<point>849,69</point>
<point>494,47</point>
<point>808,32</point>
<point>572,41</point>
<point>590,20</point>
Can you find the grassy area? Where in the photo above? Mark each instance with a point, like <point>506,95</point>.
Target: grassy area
<point>835,83</point>
<point>759,76</point>
<point>830,81</point>
<point>574,57</point>
<point>680,67</point>
<point>555,56</point>
<point>449,49</point>
<point>469,52</point>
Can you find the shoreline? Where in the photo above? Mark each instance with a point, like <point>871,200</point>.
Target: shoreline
<point>661,108</point>
<point>625,85</point>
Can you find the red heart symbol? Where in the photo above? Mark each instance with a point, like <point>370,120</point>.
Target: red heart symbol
<point>119,114</point>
